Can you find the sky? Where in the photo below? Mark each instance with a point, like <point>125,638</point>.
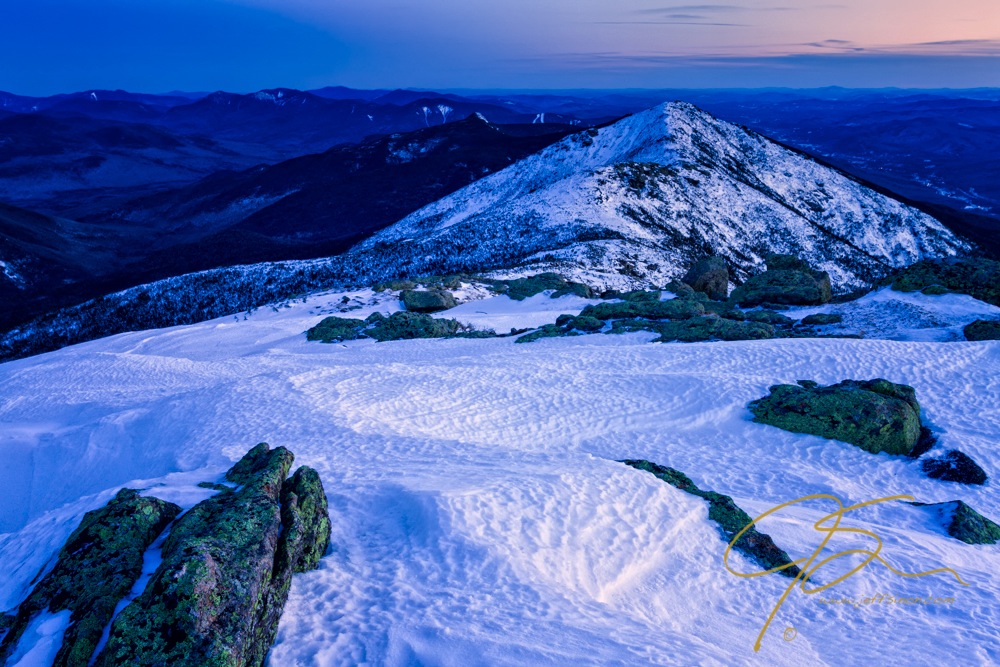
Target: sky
<point>51,46</point>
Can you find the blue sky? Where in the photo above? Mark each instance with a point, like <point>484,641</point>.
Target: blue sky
<point>49,46</point>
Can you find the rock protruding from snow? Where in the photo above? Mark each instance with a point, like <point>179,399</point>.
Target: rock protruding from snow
<point>97,567</point>
<point>876,415</point>
<point>227,564</point>
<point>648,195</point>
<point>788,281</point>
<point>711,276</point>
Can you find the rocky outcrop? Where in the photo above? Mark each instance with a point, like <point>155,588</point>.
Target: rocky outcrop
<point>876,415</point>
<point>983,330</point>
<point>427,301</point>
<point>698,329</point>
<point>402,325</point>
<point>226,567</point>
<point>674,309</point>
<point>97,567</point>
<point>520,289</point>
<point>977,277</point>
<point>710,276</point>
<point>755,545</point>
<point>821,319</point>
<point>788,280</point>
<point>966,524</point>
<point>955,466</point>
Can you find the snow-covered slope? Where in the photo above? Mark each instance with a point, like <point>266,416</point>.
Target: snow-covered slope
<point>479,515</point>
<point>652,192</point>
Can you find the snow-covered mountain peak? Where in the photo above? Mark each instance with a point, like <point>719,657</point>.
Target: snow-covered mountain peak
<point>645,196</point>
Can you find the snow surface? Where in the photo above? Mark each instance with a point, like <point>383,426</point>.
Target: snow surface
<point>479,516</point>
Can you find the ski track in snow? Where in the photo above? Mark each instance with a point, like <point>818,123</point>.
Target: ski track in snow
<point>479,516</point>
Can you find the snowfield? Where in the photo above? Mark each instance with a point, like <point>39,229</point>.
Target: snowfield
<point>479,514</point>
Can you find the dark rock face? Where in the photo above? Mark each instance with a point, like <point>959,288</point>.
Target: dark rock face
<point>876,415</point>
<point>955,466</point>
<point>977,277</point>
<point>97,567</point>
<point>983,330</point>
<point>822,319</point>
<point>227,565</point>
<point>788,280</point>
<point>757,546</point>
<point>427,301</point>
<point>710,276</point>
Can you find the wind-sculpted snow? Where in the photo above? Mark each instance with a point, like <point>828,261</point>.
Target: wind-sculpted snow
<point>666,186</point>
<point>480,517</point>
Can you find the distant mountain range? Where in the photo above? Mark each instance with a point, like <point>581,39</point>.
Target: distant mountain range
<point>627,205</point>
<point>312,206</point>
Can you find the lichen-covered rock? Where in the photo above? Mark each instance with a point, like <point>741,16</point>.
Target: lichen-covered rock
<point>964,523</point>
<point>218,593</point>
<point>97,567</point>
<point>584,323</point>
<point>788,280</point>
<point>674,309</point>
<point>955,466</point>
<point>710,276</point>
<point>755,545</point>
<point>407,326</point>
<point>977,277</point>
<point>336,329</point>
<point>876,415</point>
<point>639,295</point>
<point>698,329</point>
<point>522,288</point>
<point>768,317</point>
<point>822,319</point>
<point>546,331</point>
<point>983,330</point>
<point>427,301</point>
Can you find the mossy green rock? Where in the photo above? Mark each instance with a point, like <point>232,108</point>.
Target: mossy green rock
<point>546,331</point>
<point>522,288</point>
<point>709,275</point>
<point>983,330</point>
<point>755,545</point>
<point>876,415</point>
<point>822,319</point>
<point>97,567</point>
<point>336,329</point>
<point>788,280</point>
<point>768,317</point>
<point>966,524</point>
<point>977,277</point>
<point>698,329</point>
<point>673,309</point>
<point>584,323</point>
<point>427,301</point>
<point>407,326</point>
<point>216,598</point>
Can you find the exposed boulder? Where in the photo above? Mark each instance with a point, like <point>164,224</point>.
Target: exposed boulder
<point>674,309</point>
<point>821,319</point>
<point>755,545</point>
<point>402,325</point>
<point>768,317</point>
<point>955,466</point>
<point>983,330</point>
<point>97,567</point>
<point>975,276</point>
<point>966,524</point>
<point>709,275</point>
<point>218,594</point>
<point>522,288</point>
<point>788,280</point>
<point>876,415</point>
<point>427,301</point>
<point>698,329</point>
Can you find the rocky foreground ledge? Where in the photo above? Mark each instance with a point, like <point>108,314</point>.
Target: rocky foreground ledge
<point>217,596</point>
